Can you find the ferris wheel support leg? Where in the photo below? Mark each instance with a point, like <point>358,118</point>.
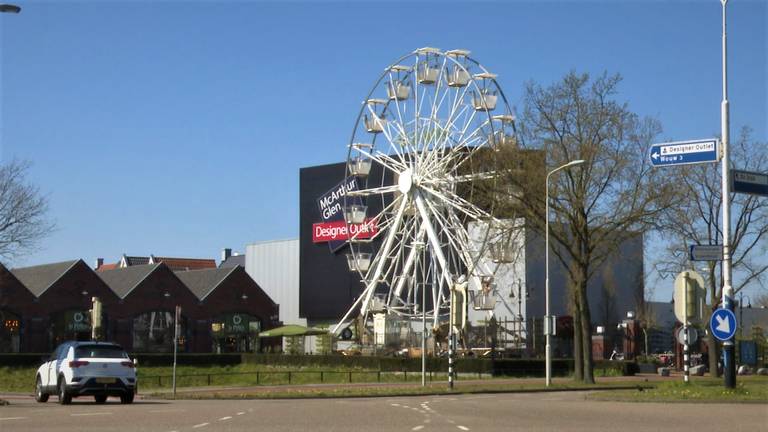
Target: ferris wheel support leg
<point>409,261</point>
<point>383,254</point>
<point>435,246</point>
<point>368,292</point>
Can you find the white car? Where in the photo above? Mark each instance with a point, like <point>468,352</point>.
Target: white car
<point>98,369</point>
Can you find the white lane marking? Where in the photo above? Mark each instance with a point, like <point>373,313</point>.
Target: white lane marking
<point>464,428</point>
<point>241,413</point>
<point>90,414</point>
<point>395,405</point>
<point>200,425</point>
<point>12,418</point>
<point>225,418</point>
<point>419,427</point>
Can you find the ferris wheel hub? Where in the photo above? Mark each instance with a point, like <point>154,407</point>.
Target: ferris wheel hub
<point>405,181</point>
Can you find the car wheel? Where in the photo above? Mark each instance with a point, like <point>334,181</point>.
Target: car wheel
<point>40,395</point>
<point>64,397</point>
<point>100,399</point>
<point>126,398</point>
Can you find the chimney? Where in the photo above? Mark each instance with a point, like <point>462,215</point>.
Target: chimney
<point>225,253</point>
<point>99,263</point>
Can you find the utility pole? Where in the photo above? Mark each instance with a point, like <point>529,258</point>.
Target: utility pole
<point>729,365</point>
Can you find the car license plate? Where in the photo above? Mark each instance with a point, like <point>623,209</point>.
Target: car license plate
<point>105,380</point>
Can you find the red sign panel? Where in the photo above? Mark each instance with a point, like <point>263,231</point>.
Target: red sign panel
<point>337,230</point>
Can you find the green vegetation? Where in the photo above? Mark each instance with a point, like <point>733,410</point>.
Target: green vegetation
<point>391,390</point>
<point>22,379</point>
<point>748,389</point>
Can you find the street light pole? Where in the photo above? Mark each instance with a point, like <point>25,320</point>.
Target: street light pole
<point>547,319</point>
<point>729,365</point>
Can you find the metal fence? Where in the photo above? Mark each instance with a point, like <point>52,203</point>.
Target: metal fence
<point>296,377</point>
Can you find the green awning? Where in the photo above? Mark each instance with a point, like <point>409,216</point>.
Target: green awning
<point>293,330</point>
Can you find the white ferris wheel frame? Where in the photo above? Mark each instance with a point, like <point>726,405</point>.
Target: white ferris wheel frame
<point>424,163</point>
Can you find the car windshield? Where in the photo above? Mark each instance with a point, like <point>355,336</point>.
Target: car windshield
<point>100,351</point>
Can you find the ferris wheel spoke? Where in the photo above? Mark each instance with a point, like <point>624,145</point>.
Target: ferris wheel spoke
<point>457,236</point>
<point>459,204</point>
<point>382,159</point>
<point>373,191</point>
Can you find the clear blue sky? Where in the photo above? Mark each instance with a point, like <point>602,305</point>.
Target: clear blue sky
<point>178,128</point>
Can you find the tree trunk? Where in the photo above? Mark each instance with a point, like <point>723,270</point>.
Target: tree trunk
<point>713,348</point>
<point>586,333</point>
<point>578,348</point>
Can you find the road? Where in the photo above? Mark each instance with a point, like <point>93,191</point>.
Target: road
<point>561,411</point>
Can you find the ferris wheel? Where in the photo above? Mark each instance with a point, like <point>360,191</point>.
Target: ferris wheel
<point>423,157</point>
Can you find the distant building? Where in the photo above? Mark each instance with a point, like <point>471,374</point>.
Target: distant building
<point>231,259</point>
<point>174,264</point>
<point>222,310</point>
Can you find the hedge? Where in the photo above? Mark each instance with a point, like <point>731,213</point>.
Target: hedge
<point>498,367</point>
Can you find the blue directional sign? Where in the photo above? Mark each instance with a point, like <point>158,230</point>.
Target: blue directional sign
<point>749,182</point>
<point>684,152</point>
<point>723,324</point>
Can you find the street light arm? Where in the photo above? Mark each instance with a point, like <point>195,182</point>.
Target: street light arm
<point>10,8</point>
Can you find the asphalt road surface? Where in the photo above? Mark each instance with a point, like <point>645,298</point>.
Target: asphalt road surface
<point>562,411</point>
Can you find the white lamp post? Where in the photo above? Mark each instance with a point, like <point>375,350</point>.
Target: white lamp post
<point>547,318</point>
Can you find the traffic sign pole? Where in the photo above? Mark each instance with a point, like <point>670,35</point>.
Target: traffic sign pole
<point>686,363</point>
<point>729,366</point>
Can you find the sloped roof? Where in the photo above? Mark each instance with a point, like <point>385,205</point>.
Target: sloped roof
<point>110,266</point>
<point>203,282</point>
<point>187,263</point>
<point>39,278</point>
<point>136,260</point>
<point>123,280</point>
<point>233,261</point>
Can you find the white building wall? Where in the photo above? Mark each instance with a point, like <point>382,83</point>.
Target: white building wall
<point>508,277</point>
<point>274,265</point>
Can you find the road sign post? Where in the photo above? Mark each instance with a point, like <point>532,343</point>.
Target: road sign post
<point>684,152</point>
<point>689,308</point>
<point>747,182</point>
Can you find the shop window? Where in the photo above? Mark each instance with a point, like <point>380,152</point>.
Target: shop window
<point>154,331</point>
<point>235,332</point>
<point>70,325</point>
<point>10,332</point>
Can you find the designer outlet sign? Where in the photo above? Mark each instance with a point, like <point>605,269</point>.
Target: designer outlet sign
<point>333,229</point>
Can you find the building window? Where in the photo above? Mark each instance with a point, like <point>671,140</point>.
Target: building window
<point>70,325</point>
<point>10,329</point>
<point>235,332</point>
<point>153,332</point>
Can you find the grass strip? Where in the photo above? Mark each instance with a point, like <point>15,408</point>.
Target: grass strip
<point>748,389</point>
<point>389,391</point>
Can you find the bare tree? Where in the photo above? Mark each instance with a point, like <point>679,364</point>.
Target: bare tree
<point>695,219</point>
<point>609,199</point>
<point>23,211</point>
<point>761,300</point>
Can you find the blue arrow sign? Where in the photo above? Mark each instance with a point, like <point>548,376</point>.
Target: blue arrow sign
<point>684,152</point>
<point>723,324</point>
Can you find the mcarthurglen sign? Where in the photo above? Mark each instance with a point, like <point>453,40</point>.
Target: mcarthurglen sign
<point>333,229</point>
